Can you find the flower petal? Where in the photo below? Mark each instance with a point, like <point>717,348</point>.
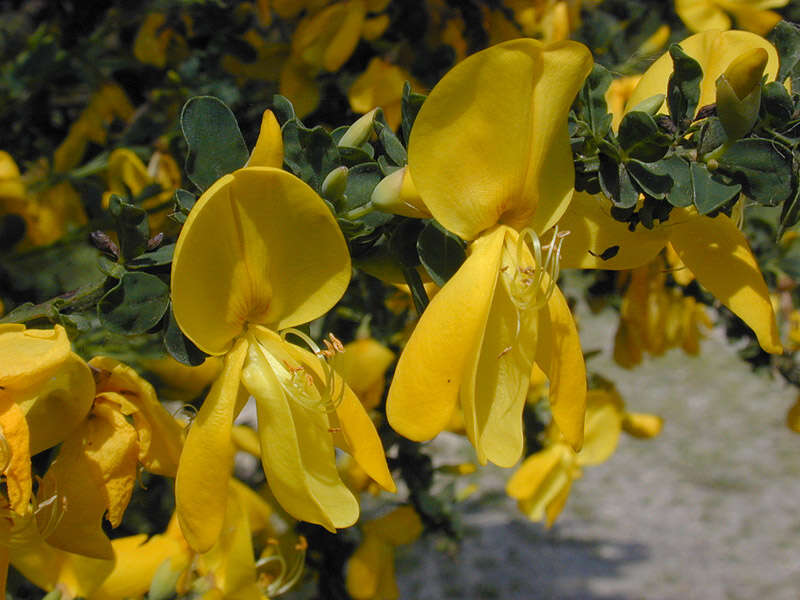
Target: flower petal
<point>69,393</point>
<point>160,435</point>
<point>15,456</point>
<point>268,151</point>
<point>720,258</point>
<point>714,50</point>
<point>493,394</point>
<point>297,450</point>
<point>594,233</point>
<point>560,357</point>
<point>202,481</point>
<point>502,114</point>
<point>604,410</point>
<point>244,256</point>
<point>431,369</point>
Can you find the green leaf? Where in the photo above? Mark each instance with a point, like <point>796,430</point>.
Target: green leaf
<point>403,242</point>
<point>651,178</point>
<point>641,138</point>
<point>310,153</point>
<point>764,172</point>
<point>135,304</point>
<point>283,109</point>
<point>440,252</point>
<point>392,146</point>
<point>132,227</point>
<point>361,180</point>
<point>680,194</point>
<point>790,211</point>
<point>159,257</point>
<point>786,39</point>
<point>683,88</point>
<point>418,293</point>
<point>712,136</point>
<point>184,201</point>
<point>592,101</point>
<point>616,184</point>
<point>351,157</point>
<point>708,192</point>
<point>410,106</point>
<point>777,103</point>
<point>216,146</point>
<point>178,345</point>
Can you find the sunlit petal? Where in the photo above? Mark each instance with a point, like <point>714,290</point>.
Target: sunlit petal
<point>426,383</point>
<point>268,151</point>
<point>297,450</point>
<point>595,234</point>
<point>244,256</point>
<point>720,258</point>
<point>502,114</point>
<point>560,357</point>
<point>202,480</point>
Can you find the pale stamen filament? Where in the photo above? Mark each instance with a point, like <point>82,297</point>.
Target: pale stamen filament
<point>330,396</point>
<point>527,280</point>
<point>274,582</point>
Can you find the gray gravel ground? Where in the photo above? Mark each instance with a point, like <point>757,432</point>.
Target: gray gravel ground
<point>707,510</point>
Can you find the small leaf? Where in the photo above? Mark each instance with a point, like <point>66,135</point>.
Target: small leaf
<point>777,103</point>
<point>680,194</point>
<point>156,258</point>
<point>592,99</point>
<point>641,138</point>
<point>683,88</point>
<point>282,109</point>
<point>410,106</point>
<point>135,304</point>
<point>709,193</point>
<point>790,211</point>
<point>440,252</point>
<point>361,180</point>
<point>178,345</point>
<point>616,183</point>
<point>651,178</point>
<point>132,227</point>
<point>310,153</point>
<point>216,146</point>
<point>765,173</point>
<point>786,39</point>
<point>391,144</point>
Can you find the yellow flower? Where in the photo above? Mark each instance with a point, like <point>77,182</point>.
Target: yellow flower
<point>502,111</point>
<point>244,270</point>
<point>543,481</point>
<point>180,382</point>
<point>712,249</point>
<point>45,393</point>
<point>128,175</point>
<point>654,318</point>
<point>370,571</point>
<point>753,15</point>
<point>156,44</point>
<point>324,41</point>
<point>380,85</point>
<point>363,366</point>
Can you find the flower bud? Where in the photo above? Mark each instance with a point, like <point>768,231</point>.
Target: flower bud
<point>397,194</point>
<point>358,132</point>
<point>739,93</point>
<point>164,581</point>
<point>335,183</point>
<point>642,425</point>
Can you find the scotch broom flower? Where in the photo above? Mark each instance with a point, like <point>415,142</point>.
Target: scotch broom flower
<point>507,179</point>
<point>543,481</point>
<point>753,15</point>
<point>244,271</point>
<point>713,249</point>
<point>370,571</point>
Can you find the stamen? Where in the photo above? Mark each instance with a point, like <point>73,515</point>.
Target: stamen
<point>275,581</point>
<point>527,279</point>
<point>330,396</point>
